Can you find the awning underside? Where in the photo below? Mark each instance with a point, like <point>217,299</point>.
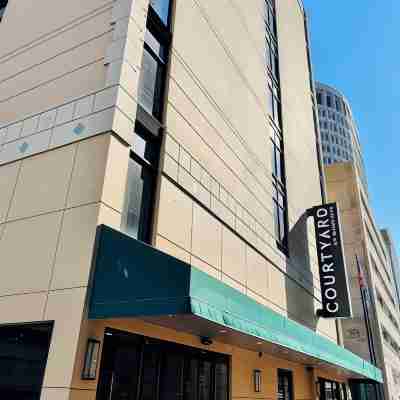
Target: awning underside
<point>133,280</point>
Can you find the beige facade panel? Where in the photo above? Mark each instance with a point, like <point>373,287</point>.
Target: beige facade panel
<point>66,308</point>
<point>89,171</point>
<point>29,255</point>
<point>43,183</point>
<point>22,308</point>
<point>8,180</point>
<point>75,251</point>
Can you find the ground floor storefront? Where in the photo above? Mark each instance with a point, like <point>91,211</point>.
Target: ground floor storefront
<point>155,328</point>
<point>136,360</point>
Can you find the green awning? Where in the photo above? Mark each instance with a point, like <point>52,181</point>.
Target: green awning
<point>134,280</point>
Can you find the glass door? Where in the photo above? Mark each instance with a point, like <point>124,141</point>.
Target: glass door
<point>285,385</point>
<point>119,369</point>
<point>137,368</point>
<point>331,390</point>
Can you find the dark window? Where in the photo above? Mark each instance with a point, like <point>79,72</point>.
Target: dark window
<point>163,9</point>
<point>137,368</point>
<point>271,57</point>
<point>331,390</point>
<point>140,187</point>
<point>338,104</point>
<point>329,100</point>
<point>153,74</point>
<point>277,159</point>
<point>3,5</point>
<point>270,16</point>
<point>285,385</point>
<point>155,59</point>
<point>274,110</point>
<point>274,107</point>
<point>319,97</point>
<point>23,356</point>
<point>143,164</point>
<point>280,218</point>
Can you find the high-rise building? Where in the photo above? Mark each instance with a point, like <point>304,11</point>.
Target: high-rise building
<point>157,163</point>
<point>374,331</point>
<point>339,133</point>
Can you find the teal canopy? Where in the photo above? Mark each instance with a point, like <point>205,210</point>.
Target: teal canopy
<point>134,280</point>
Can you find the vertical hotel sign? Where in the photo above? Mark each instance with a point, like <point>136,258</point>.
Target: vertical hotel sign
<point>332,266</point>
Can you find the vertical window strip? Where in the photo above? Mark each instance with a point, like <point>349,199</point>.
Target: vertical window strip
<point>274,110</point>
<point>145,155</point>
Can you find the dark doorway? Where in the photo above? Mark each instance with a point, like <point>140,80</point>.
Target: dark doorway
<point>366,390</point>
<point>134,367</point>
<point>23,356</point>
<point>285,385</point>
<point>331,390</point>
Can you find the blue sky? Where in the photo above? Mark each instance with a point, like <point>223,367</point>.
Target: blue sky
<point>356,48</point>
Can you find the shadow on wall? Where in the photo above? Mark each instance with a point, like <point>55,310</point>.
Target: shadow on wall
<point>300,302</point>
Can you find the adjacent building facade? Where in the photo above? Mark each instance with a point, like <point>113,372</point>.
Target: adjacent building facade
<point>374,331</point>
<point>154,190</point>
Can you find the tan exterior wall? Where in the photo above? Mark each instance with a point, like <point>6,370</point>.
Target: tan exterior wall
<point>362,238</point>
<point>66,82</point>
<point>217,148</point>
<point>51,60</point>
<point>48,226</point>
<point>69,77</point>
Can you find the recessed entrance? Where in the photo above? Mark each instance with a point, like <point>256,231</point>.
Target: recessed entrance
<point>285,385</point>
<point>134,367</point>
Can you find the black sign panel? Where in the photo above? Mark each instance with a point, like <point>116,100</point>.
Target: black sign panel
<point>332,266</point>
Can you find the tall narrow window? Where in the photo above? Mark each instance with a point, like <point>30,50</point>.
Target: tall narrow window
<point>3,6</point>
<point>139,194</point>
<point>329,101</point>
<point>285,385</point>
<point>143,163</point>
<point>338,104</point>
<point>154,65</point>
<point>269,16</point>
<point>274,111</point>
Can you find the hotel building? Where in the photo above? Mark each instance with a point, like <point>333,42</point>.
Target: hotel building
<point>157,161</point>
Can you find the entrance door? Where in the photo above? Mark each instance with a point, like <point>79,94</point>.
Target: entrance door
<point>285,385</point>
<point>331,390</point>
<point>138,368</point>
<point>120,365</point>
